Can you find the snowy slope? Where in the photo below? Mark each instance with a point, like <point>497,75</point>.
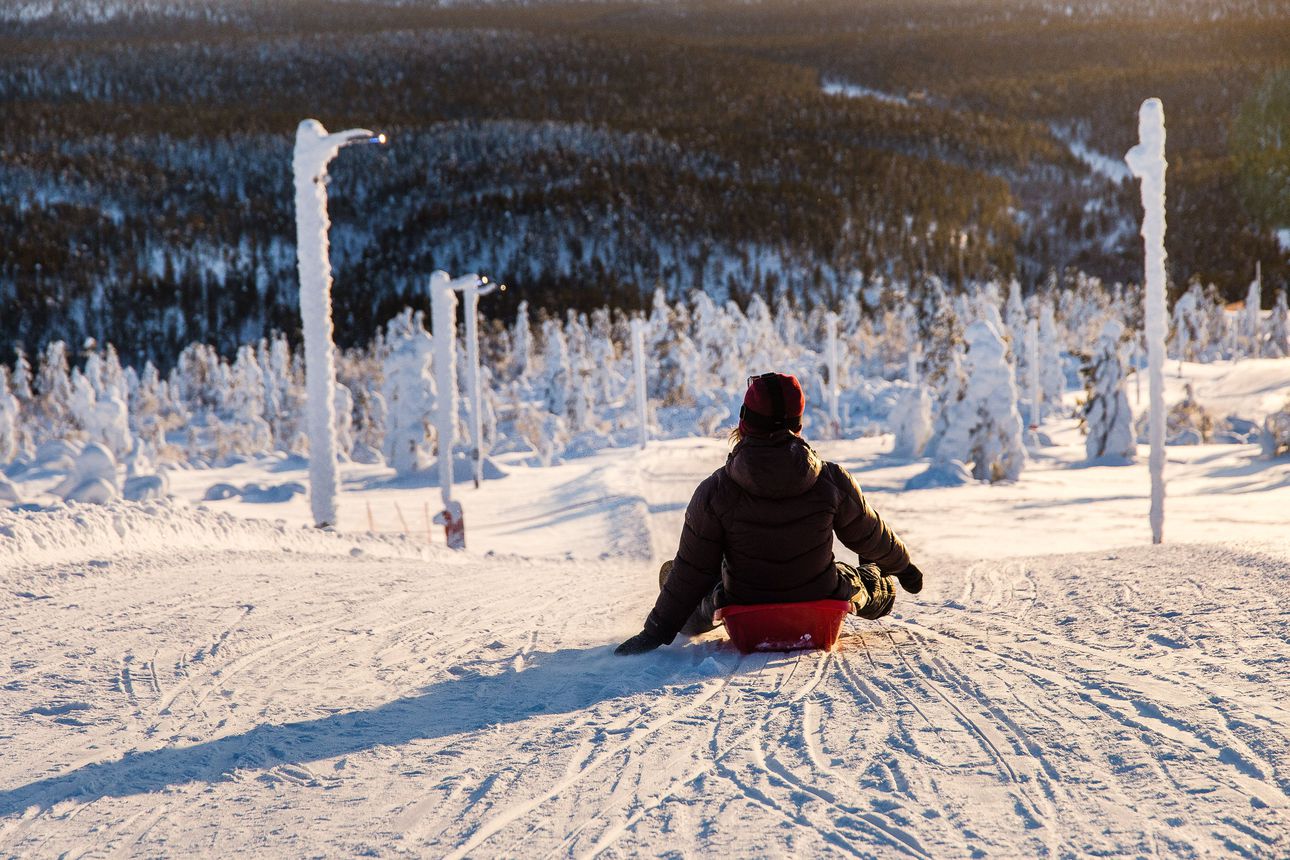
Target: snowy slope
<point>267,688</point>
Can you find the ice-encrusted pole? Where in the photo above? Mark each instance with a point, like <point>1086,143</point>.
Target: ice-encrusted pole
<point>443,317</point>
<point>638,366</point>
<point>471,292</point>
<point>315,148</point>
<point>1147,161</point>
<point>835,422</point>
<point>1032,352</point>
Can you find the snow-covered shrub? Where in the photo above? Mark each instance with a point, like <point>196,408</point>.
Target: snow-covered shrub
<point>950,473</point>
<point>93,478</point>
<point>1188,423</point>
<point>1275,439</point>
<point>982,427</point>
<point>1107,417</point>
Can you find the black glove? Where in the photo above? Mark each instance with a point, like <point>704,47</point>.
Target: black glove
<point>911,579</point>
<point>638,644</point>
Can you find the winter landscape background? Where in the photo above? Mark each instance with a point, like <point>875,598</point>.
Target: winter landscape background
<point>919,208</point>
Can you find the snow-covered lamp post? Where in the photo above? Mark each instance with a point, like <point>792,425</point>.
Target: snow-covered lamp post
<point>638,366</point>
<point>315,148</point>
<point>1147,161</point>
<point>443,316</point>
<point>471,292</point>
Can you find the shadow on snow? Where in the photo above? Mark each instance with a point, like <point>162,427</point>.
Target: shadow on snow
<point>561,682</point>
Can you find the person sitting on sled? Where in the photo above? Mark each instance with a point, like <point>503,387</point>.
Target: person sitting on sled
<point>760,529</point>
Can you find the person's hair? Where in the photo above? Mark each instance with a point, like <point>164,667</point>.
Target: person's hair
<point>735,436</point>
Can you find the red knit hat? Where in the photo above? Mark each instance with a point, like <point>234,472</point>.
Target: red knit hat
<point>773,401</point>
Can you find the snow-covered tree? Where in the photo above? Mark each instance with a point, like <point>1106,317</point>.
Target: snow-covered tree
<point>98,405</point>
<point>911,422</point>
<point>1252,321</point>
<point>982,426</point>
<point>408,392</point>
<point>53,395</point>
<point>1108,419</point>
<point>522,344</point>
<point>1052,374</point>
<point>246,405</point>
<point>557,372</point>
<point>9,415</point>
<point>1278,328</point>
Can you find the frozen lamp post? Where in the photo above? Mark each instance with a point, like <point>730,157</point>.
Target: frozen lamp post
<point>471,291</point>
<point>443,316</point>
<point>1147,161</point>
<point>315,148</point>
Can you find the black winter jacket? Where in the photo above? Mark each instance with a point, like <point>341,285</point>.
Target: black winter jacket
<point>770,513</point>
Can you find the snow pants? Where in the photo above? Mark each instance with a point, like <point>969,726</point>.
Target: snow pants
<point>872,595</point>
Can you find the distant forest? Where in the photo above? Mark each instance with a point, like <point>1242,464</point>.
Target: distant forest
<point>588,153</point>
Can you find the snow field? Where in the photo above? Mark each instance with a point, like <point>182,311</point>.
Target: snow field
<point>270,688</point>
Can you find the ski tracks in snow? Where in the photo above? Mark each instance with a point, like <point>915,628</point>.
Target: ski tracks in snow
<point>1131,704</point>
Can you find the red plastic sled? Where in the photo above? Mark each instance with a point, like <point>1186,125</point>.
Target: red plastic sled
<point>784,626</point>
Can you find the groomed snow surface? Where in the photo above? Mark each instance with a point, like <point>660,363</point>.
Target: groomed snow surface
<point>179,680</point>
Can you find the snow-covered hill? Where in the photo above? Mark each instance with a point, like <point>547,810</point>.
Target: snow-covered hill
<point>179,681</point>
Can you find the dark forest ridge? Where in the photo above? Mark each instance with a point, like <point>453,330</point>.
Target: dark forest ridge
<point>590,152</point>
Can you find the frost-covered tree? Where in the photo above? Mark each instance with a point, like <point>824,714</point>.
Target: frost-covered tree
<point>53,395</point>
<point>20,381</point>
<point>556,382</point>
<point>9,415</point>
<point>1252,321</point>
<point>250,432</point>
<point>1052,374</point>
<point>1189,328</point>
<point>522,345</point>
<point>911,422</point>
<point>344,406</point>
<point>284,393</point>
<point>408,392</point>
<point>98,404</point>
<point>982,427</point>
<point>1278,328</point>
<point>1108,419</point>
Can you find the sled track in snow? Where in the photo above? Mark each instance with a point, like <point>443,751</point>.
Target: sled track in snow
<point>471,707</point>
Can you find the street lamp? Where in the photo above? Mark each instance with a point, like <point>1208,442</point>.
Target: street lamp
<point>315,148</point>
